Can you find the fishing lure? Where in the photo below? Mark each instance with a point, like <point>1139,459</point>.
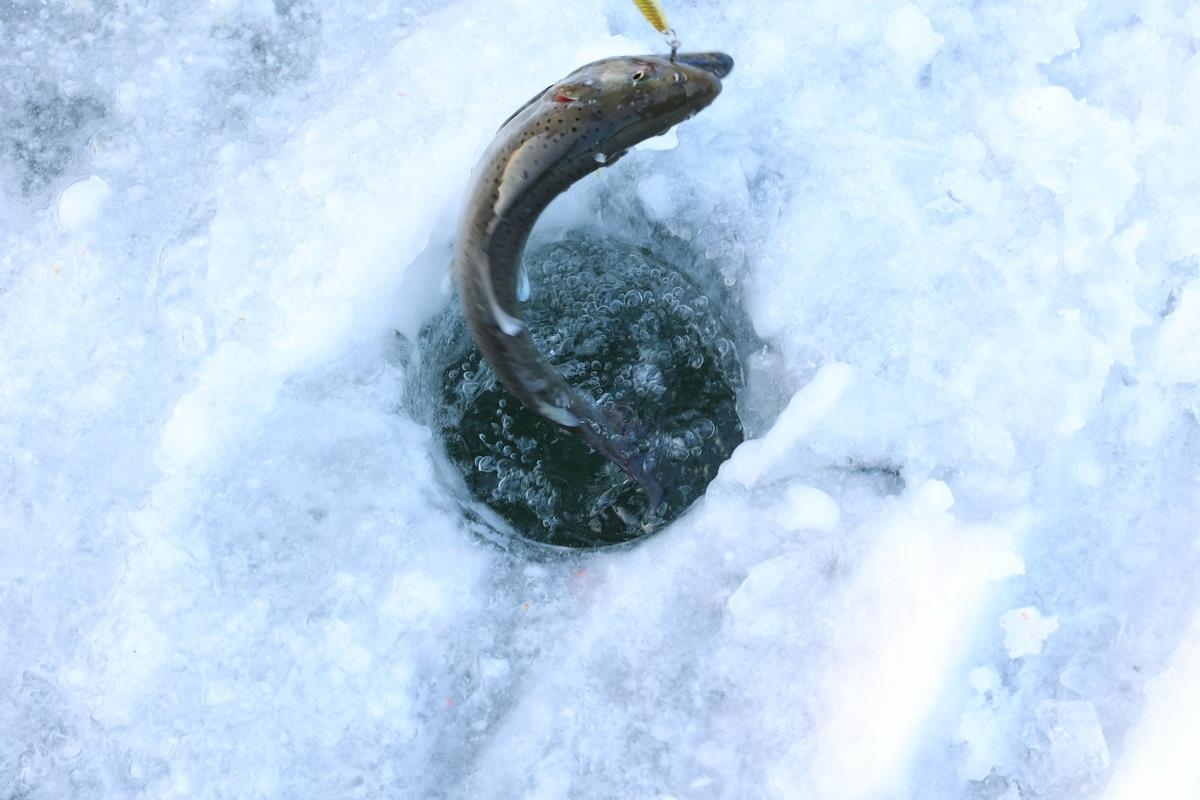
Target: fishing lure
<point>654,13</point>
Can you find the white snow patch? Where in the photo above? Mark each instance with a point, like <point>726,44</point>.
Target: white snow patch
<point>762,606</point>
<point>80,204</point>
<point>1177,351</point>
<point>911,36</point>
<point>1160,759</point>
<point>807,508</point>
<point>1026,630</point>
<point>918,591</point>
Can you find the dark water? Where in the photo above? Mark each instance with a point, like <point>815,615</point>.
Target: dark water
<point>630,330</point>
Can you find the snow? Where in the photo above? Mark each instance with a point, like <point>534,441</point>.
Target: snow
<point>81,202</point>
<point>965,235</point>
<point>1161,763</point>
<point>911,37</point>
<point>1177,351</point>
<point>1026,630</point>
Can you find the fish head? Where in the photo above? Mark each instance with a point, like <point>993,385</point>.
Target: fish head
<point>633,98</point>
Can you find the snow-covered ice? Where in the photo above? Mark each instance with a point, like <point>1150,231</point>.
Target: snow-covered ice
<point>957,557</point>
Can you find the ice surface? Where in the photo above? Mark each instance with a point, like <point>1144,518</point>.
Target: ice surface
<point>966,232</point>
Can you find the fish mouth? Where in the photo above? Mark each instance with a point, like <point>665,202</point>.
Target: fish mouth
<point>716,64</point>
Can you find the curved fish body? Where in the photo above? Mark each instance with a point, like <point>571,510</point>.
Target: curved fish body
<point>587,120</point>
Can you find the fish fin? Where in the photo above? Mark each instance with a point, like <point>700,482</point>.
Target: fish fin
<point>619,438</point>
<point>641,469</point>
<point>558,415</point>
<point>527,104</point>
<point>524,290</point>
<point>510,325</point>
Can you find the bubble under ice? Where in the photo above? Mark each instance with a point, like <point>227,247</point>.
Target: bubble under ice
<point>630,330</point>
<point>966,233</point>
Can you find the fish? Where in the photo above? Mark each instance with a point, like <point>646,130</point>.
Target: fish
<point>589,119</point>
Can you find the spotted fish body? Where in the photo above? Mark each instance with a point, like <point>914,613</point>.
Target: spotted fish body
<point>590,118</point>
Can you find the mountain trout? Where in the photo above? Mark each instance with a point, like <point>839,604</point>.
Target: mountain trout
<point>589,119</point>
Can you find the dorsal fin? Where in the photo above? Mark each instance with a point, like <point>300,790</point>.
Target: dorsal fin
<point>527,104</point>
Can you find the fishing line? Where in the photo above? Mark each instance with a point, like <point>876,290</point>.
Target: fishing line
<point>653,11</point>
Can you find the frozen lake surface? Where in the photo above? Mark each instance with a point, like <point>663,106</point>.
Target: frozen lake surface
<point>958,555</point>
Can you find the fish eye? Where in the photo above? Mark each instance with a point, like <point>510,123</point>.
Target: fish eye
<point>641,73</point>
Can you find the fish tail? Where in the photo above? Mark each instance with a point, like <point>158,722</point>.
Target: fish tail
<point>619,439</point>
<point>640,468</point>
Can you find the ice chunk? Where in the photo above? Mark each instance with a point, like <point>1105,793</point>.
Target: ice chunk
<point>754,458</point>
<point>911,37</point>
<point>762,604</point>
<point>807,508</point>
<point>1076,742</point>
<point>80,204</point>
<point>1026,630</point>
<point>655,193</point>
